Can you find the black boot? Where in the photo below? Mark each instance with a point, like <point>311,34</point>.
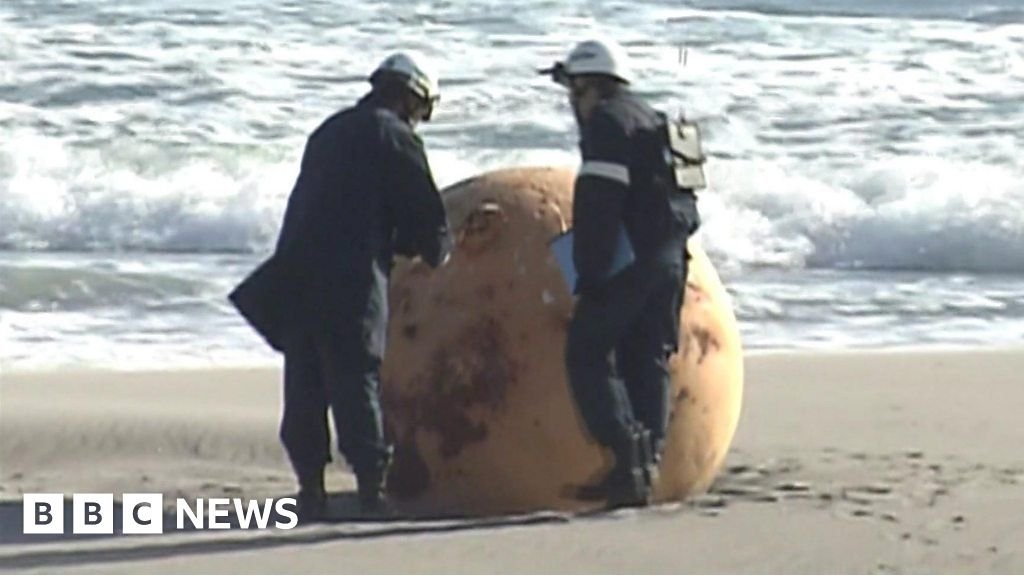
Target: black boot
<point>312,497</point>
<point>372,497</point>
<point>626,484</point>
<point>649,455</point>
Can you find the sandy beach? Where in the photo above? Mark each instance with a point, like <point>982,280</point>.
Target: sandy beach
<point>861,462</point>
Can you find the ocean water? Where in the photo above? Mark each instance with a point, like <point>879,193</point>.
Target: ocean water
<point>867,157</point>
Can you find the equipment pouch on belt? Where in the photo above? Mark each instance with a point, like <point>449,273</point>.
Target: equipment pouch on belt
<point>685,154</point>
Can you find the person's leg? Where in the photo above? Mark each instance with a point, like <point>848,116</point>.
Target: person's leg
<point>598,323</point>
<point>352,374</point>
<point>304,431</point>
<point>643,355</point>
<point>643,361</point>
<point>600,395</point>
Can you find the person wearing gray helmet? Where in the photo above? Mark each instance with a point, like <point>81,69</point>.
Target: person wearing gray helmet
<point>365,192</point>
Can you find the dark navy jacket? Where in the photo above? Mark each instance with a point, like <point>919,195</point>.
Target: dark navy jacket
<point>364,193</point>
<point>626,179</point>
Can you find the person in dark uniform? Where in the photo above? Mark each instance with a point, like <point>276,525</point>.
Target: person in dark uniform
<point>364,193</point>
<point>625,325</point>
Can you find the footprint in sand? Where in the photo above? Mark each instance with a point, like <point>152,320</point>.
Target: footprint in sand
<point>883,568</point>
<point>876,489</point>
<point>757,483</point>
<point>794,487</point>
<point>738,491</point>
<point>709,502</point>
<point>1009,476</point>
<point>869,496</point>
<point>959,522</point>
<point>745,473</point>
<point>853,496</point>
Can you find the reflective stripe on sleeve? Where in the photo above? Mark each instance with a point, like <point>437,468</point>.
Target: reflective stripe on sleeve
<point>609,170</point>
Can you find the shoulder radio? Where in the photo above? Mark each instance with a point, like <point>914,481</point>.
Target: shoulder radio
<point>685,154</point>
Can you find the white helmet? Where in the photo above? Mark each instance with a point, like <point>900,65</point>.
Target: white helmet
<point>604,57</point>
<point>411,69</point>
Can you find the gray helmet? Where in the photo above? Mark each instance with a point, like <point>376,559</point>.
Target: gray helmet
<point>411,69</point>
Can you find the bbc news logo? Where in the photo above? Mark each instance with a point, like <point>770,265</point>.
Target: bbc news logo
<point>144,514</point>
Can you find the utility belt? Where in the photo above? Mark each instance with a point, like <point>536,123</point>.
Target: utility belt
<point>684,154</point>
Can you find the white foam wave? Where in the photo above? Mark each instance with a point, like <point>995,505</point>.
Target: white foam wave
<point>903,214</point>
<point>882,141</point>
<point>57,198</point>
<point>921,213</point>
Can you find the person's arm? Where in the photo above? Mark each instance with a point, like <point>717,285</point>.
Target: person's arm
<point>419,214</point>
<point>600,191</point>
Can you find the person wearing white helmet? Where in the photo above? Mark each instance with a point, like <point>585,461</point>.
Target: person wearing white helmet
<point>364,194</point>
<point>625,324</point>
<point>591,62</point>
